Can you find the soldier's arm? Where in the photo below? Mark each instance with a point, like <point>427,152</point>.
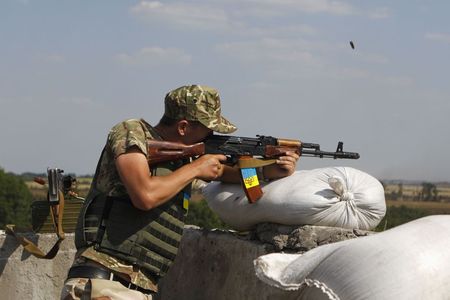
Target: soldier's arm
<point>147,192</point>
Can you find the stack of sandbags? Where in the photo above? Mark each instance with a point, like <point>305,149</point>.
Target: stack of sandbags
<point>334,196</point>
<point>411,261</point>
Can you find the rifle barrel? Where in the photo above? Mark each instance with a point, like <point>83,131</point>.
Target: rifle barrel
<point>335,155</point>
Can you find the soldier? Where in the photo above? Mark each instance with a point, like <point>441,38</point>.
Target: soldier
<point>131,224</point>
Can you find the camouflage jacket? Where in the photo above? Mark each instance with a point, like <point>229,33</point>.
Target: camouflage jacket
<point>123,136</point>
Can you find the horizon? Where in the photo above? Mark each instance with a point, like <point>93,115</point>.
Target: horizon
<point>388,181</point>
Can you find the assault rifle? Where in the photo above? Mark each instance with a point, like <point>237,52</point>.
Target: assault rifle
<point>242,151</point>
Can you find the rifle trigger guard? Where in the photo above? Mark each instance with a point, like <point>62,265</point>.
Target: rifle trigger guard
<point>232,160</point>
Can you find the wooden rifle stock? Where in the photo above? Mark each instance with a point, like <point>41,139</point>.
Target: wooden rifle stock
<point>289,143</point>
<point>283,146</point>
<point>276,151</point>
<point>163,151</point>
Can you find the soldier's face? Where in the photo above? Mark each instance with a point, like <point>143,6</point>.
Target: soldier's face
<point>196,132</point>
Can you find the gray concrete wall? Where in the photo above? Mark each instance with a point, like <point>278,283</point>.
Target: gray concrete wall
<point>218,265</point>
<point>23,276</point>
<point>210,264</point>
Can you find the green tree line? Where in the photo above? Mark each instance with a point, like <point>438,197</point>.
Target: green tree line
<point>15,200</point>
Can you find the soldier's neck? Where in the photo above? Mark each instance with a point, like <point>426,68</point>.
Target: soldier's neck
<point>167,133</point>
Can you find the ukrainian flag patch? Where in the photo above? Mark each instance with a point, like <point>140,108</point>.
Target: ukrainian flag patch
<point>250,178</point>
<point>186,198</point>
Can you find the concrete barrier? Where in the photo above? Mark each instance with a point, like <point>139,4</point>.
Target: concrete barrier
<point>22,276</point>
<point>210,264</point>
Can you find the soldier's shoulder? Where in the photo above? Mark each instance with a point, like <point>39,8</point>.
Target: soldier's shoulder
<point>127,124</point>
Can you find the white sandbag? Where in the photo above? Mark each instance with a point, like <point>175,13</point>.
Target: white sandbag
<point>411,261</point>
<point>335,196</point>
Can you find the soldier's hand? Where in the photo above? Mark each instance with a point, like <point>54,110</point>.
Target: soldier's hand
<point>209,167</point>
<point>288,162</point>
<point>284,166</point>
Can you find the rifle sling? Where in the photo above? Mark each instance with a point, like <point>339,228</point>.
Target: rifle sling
<point>254,162</point>
<point>56,212</point>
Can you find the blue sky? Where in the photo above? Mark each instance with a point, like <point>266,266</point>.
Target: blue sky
<point>70,70</point>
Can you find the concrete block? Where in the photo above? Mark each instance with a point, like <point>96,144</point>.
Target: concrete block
<point>210,264</point>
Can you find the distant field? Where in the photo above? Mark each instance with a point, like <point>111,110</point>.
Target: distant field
<point>399,211</point>
<point>431,207</point>
<point>412,192</point>
<point>39,192</point>
<point>409,192</point>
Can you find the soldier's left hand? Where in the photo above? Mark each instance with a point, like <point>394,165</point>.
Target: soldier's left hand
<point>288,162</point>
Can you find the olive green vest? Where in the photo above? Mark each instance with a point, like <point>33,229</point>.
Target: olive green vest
<point>148,239</point>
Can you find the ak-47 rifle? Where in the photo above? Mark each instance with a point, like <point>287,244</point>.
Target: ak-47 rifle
<point>242,151</point>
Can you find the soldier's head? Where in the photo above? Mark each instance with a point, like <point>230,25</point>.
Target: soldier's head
<point>196,104</point>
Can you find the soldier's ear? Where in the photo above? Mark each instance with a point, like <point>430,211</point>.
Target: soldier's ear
<point>182,127</point>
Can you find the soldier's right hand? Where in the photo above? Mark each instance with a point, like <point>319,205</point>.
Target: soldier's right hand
<point>209,167</point>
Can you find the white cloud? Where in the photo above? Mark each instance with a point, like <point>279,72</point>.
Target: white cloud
<point>153,56</point>
<point>438,36</point>
<point>237,15</point>
<point>279,8</point>
<point>273,8</point>
<point>196,15</point>
<point>310,6</point>
<point>317,57</point>
<point>231,15</point>
<point>270,50</point>
<point>279,31</point>
<point>380,13</point>
<point>288,59</point>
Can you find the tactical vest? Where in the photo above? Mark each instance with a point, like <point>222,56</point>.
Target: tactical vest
<point>148,239</point>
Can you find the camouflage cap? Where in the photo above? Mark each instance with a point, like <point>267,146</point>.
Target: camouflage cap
<point>197,103</point>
